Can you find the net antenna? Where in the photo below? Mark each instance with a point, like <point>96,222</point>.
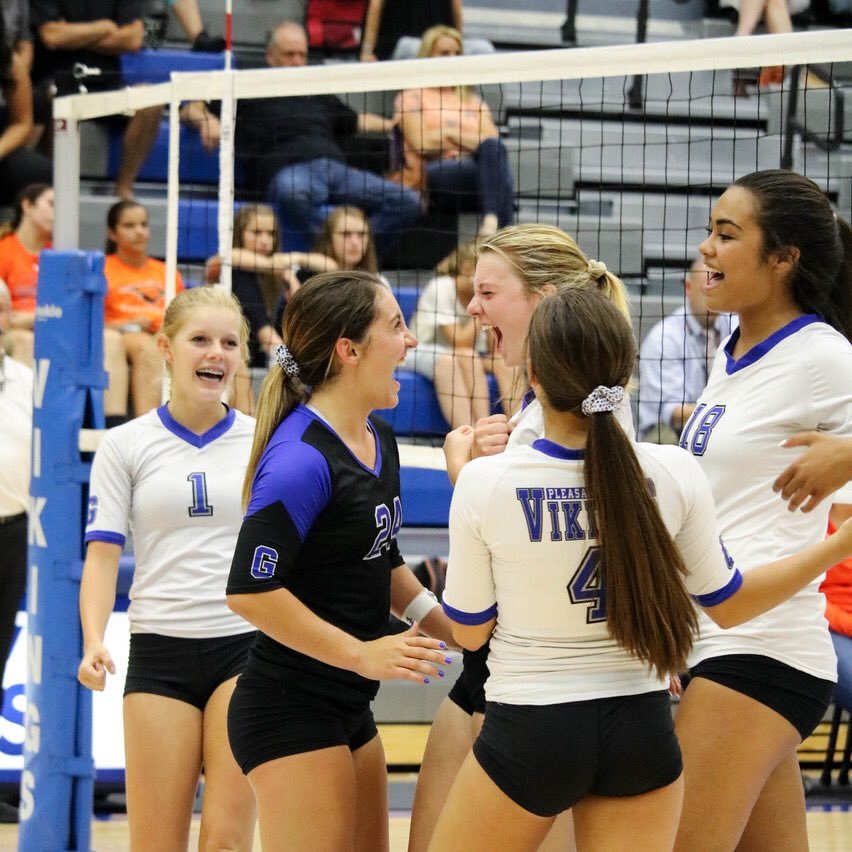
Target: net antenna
<point>226,159</point>
<point>225,219</point>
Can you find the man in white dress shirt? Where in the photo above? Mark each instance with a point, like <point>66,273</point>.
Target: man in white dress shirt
<point>675,360</point>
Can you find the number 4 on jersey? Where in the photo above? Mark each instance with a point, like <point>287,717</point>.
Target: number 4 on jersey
<point>585,587</point>
<point>388,523</point>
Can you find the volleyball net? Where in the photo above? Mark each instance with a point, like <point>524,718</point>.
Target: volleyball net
<point>623,147</point>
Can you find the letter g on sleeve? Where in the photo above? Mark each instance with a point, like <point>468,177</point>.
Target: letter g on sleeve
<point>264,562</point>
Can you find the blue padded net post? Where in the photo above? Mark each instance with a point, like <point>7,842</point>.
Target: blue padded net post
<point>57,781</point>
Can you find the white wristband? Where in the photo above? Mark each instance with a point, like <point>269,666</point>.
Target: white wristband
<point>421,605</point>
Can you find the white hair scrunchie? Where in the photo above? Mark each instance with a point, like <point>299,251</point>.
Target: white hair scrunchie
<point>285,360</point>
<point>603,399</point>
<point>597,269</point>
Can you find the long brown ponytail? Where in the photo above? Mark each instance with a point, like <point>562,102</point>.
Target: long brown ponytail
<point>329,306</point>
<point>578,341</point>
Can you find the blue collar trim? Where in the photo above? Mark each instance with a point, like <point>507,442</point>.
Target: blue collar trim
<point>185,434</point>
<point>557,451</point>
<point>377,469</point>
<point>733,365</point>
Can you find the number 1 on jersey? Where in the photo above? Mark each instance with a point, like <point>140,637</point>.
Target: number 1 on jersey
<point>200,508</point>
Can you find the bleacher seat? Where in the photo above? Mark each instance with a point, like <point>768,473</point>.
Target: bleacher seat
<point>407,298</point>
<point>156,66</point>
<point>425,496</point>
<point>418,412</point>
<point>197,225</point>
<point>195,165</point>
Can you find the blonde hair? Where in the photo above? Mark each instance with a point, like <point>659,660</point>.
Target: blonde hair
<point>427,43</point>
<point>457,258</point>
<point>194,298</point>
<point>544,255</point>
<point>430,36</point>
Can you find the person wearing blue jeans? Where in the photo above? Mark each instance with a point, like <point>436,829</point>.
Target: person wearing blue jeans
<point>291,144</point>
<point>480,181</point>
<point>303,192</point>
<point>450,144</point>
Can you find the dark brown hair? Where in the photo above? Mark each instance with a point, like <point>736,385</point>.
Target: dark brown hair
<point>271,288</point>
<point>579,340</point>
<point>329,306</point>
<point>113,218</point>
<point>792,212</point>
<point>30,193</point>
<point>324,244</point>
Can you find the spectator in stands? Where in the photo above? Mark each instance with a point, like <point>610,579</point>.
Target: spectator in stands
<point>344,243</point>
<point>393,28</point>
<point>347,239</point>
<point>16,25</point>
<point>136,299</point>
<point>78,48</point>
<point>19,164</point>
<point>837,588</point>
<point>453,349</point>
<point>292,145</point>
<point>675,359</point>
<point>30,231</point>
<point>188,15</point>
<point>451,146</point>
<point>776,18</point>
<point>262,276</point>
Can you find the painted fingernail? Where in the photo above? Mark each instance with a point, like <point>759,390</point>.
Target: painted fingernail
<point>425,680</point>
<point>448,660</point>
<point>442,645</point>
<point>440,673</point>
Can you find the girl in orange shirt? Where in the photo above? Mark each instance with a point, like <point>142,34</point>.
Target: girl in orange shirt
<point>136,299</point>
<point>30,231</point>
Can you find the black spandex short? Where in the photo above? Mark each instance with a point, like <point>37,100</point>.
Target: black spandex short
<point>547,758</point>
<point>468,692</point>
<point>189,670</point>
<point>268,720</point>
<point>800,698</point>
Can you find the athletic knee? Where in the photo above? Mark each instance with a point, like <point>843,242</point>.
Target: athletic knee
<point>224,835</point>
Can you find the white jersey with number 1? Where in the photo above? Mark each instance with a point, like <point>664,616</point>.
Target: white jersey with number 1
<point>179,495</point>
